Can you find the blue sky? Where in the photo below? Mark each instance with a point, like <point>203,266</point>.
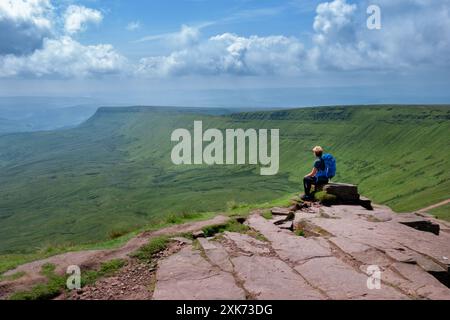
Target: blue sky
<point>226,52</point>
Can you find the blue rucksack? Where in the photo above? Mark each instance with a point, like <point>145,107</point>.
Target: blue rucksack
<point>330,167</point>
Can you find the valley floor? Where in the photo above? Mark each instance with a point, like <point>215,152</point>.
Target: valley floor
<point>297,253</point>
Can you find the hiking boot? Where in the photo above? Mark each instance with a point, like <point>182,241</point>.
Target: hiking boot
<point>307,198</point>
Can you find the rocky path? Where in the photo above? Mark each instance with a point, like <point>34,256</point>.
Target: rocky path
<point>437,205</point>
<point>135,281</point>
<point>302,253</point>
<point>92,258</point>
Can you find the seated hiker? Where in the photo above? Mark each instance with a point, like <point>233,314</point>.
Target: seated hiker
<point>324,170</point>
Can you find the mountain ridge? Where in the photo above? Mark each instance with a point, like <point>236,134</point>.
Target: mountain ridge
<point>113,172</point>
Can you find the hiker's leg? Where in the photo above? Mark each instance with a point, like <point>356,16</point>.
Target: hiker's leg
<point>321,182</point>
<point>307,183</point>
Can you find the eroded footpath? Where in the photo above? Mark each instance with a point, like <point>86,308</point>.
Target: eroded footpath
<point>300,253</point>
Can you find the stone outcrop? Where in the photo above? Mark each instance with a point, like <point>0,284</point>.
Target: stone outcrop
<point>305,252</point>
<point>328,256</point>
<point>346,194</point>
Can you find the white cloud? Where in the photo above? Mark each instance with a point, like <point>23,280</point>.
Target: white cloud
<point>333,16</point>
<point>29,47</point>
<point>187,36</point>
<point>413,32</point>
<point>230,54</point>
<point>133,25</point>
<point>24,25</point>
<point>64,57</point>
<point>77,18</point>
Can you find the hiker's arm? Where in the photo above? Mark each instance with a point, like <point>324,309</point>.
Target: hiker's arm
<point>313,173</point>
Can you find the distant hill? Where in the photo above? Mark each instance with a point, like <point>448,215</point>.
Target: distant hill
<point>28,114</point>
<point>8,126</point>
<point>114,171</point>
<point>31,114</point>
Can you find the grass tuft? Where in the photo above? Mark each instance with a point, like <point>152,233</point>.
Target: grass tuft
<point>267,214</point>
<point>116,234</point>
<point>106,269</point>
<point>300,233</point>
<point>234,205</point>
<point>56,284</point>
<point>154,246</point>
<point>325,198</point>
<point>231,226</point>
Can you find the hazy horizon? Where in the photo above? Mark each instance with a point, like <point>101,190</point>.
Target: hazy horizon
<point>230,53</point>
<point>255,98</point>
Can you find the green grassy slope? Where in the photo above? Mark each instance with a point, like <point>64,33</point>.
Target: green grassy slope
<point>114,172</point>
<point>442,212</point>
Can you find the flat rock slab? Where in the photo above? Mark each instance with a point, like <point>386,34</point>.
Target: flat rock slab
<point>344,192</point>
<point>341,282</point>
<point>281,211</point>
<point>402,255</point>
<point>287,245</point>
<point>405,255</point>
<point>385,235</point>
<point>216,254</point>
<point>247,244</point>
<point>186,275</point>
<point>301,217</point>
<point>356,239</point>
<point>419,283</point>
<point>269,278</point>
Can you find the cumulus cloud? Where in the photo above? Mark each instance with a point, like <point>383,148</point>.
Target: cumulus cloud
<point>230,54</point>
<point>187,36</point>
<point>78,17</point>
<point>335,37</point>
<point>30,47</point>
<point>64,57</point>
<point>24,25</point>
<point>416,33</point>
<point>333,16</point>
<point>413,32</point>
